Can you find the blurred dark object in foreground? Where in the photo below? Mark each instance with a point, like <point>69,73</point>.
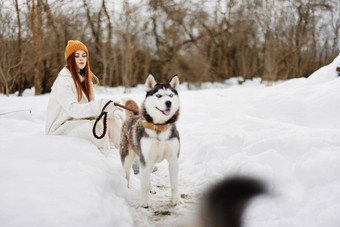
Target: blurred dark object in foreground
<point>338,70</point>
<point>224,203</point>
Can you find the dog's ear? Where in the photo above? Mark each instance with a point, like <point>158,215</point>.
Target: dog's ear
<point>174,82</point>
<point>150,83</point>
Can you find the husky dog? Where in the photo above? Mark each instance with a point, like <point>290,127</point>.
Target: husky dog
<point>152,135</point>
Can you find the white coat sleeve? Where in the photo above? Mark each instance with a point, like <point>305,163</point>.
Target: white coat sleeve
<point>66,96</point>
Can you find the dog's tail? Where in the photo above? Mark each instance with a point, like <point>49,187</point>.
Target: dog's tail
<point>130,104</point>
<point>224,203</point>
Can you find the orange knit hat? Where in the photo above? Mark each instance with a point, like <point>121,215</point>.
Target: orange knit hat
<point>73,46</point>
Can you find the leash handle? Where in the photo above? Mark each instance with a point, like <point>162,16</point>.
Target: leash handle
<point>103,113</point>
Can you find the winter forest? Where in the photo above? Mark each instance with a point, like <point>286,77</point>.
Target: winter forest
<point>259,97</point>
<point>200,40</point>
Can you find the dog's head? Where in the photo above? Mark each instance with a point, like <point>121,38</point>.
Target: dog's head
<point>161,104</point>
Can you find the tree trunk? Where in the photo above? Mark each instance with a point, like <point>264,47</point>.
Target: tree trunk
<point>5,81</point>
<point>36,45</point>
<point>106,53</point>
<point>270,72</point>
<point>21,75</point>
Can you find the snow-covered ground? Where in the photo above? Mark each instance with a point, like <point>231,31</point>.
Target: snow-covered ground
<point>287,134</point>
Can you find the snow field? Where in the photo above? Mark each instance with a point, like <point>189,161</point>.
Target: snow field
<point>286,134</point>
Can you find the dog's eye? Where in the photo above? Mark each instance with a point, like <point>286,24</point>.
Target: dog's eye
<point>159,96</point>
<point>171,95</point>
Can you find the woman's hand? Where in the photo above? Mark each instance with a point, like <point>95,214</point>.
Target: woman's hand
<point>112,113</point>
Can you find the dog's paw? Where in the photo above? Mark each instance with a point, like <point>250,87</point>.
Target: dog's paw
<point>152,190</point>
<point>176,201</point>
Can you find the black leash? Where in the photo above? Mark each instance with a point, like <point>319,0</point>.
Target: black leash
<point>103,113</point>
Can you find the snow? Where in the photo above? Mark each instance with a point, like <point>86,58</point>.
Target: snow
<point>287,134</point>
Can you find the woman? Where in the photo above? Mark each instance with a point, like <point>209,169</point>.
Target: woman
<point>72,108</point>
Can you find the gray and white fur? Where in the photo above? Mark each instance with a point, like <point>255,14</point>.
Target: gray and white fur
<point>153,136</point>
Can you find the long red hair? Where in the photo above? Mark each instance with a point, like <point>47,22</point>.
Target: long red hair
<point>88,75</point>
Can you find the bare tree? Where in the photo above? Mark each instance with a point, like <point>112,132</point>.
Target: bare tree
<point>35,16</point>
<point>20,51</point>
<point>10,60</point>
<point>335,24</point>
<point>199,40</point>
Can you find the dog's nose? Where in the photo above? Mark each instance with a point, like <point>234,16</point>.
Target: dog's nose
<point>168,104</point>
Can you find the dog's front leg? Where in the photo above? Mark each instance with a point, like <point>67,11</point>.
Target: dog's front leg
<point>173,172</point>
<point>145,172</point>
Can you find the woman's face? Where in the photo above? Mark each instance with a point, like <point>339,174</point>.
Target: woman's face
<point>80,58</point>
